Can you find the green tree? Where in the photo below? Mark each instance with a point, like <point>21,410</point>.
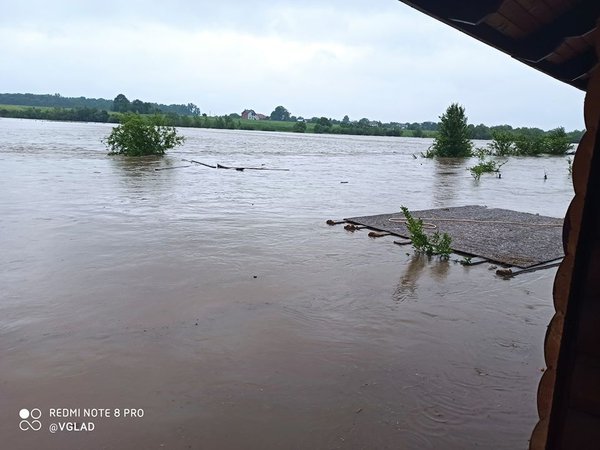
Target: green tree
<point>528,145</point>
<point>557,142</point>
<point>280,113</point>
<point>502,143</point>
<point>574,136</point>
<point>429,126</point>
<point>140,107</point>
<point>121,104</point>
<point>219,122</point>
<point>142,136</point>
<point>299,127</point>
<point>228,122</point>
<point>193,109</point>
<point>323,125</point>
<point>480,132</point>
<point>453,135</point>
<point>364,123</point>
<point>324,121</point>
<point>506,128</point>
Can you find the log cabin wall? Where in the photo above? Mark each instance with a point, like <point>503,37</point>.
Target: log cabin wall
<point>569,392</point>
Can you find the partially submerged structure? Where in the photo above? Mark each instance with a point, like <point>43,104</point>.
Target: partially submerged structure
<point>562,39</point>
<point>498,235</point>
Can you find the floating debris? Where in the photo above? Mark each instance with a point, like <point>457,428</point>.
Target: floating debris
<point>239,169</point>
<point>201,163</point>
<point>534,269</point>
<point>504,272</point>
<point>169,168</point>
<point>352,228</point>
<point>377,234</point>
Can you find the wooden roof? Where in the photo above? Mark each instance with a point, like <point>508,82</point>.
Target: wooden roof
<point>553,36</point>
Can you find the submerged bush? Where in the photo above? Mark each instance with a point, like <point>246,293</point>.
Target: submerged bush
<point>142,136</point>
<point>557,142</point>
<point>529,145</point>
<point>553,142</point>
<point>485,167</point>
<point>482,152</point>
<point>299,127</point>
<point>502,144</point>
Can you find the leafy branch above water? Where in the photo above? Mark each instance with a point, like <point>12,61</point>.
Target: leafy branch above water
<point>483,166</point>
<point>436,244</point>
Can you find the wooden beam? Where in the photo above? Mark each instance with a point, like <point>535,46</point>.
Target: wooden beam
<point>473,13</point>
<point>570,73</point>
<point>572,69</point>
<point>578,21</point>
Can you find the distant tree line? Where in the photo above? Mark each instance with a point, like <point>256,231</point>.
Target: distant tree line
<point>56,107</point>
<point>369,127</point>
<point>362,127</point>
<point>484,132</point>
<point>54,101</point>
<point>62,114</point>
<point>123,105</point>
<point>58,101</point>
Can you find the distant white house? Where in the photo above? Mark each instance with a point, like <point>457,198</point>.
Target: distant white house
<point>249,114</point>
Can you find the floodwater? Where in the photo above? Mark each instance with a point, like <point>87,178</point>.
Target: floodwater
<point>220,304</point>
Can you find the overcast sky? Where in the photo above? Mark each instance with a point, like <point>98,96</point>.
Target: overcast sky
<point>376,59</point>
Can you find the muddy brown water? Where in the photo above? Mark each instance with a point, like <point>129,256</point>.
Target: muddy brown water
<point>220,303</point>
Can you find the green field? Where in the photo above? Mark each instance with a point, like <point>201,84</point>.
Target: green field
<point>271,125</point>
<point>24,108</point>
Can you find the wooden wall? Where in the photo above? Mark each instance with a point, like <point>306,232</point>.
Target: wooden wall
<point>569,391</point>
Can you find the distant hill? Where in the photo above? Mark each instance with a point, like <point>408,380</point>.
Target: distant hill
<point>58,101</point>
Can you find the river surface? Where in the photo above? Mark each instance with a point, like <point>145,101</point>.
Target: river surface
<point>221,304</point>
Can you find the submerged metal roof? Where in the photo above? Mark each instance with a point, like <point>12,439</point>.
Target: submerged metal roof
<point>553,36</point>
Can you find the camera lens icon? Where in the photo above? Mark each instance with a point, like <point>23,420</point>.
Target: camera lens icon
<point>34,424</point>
